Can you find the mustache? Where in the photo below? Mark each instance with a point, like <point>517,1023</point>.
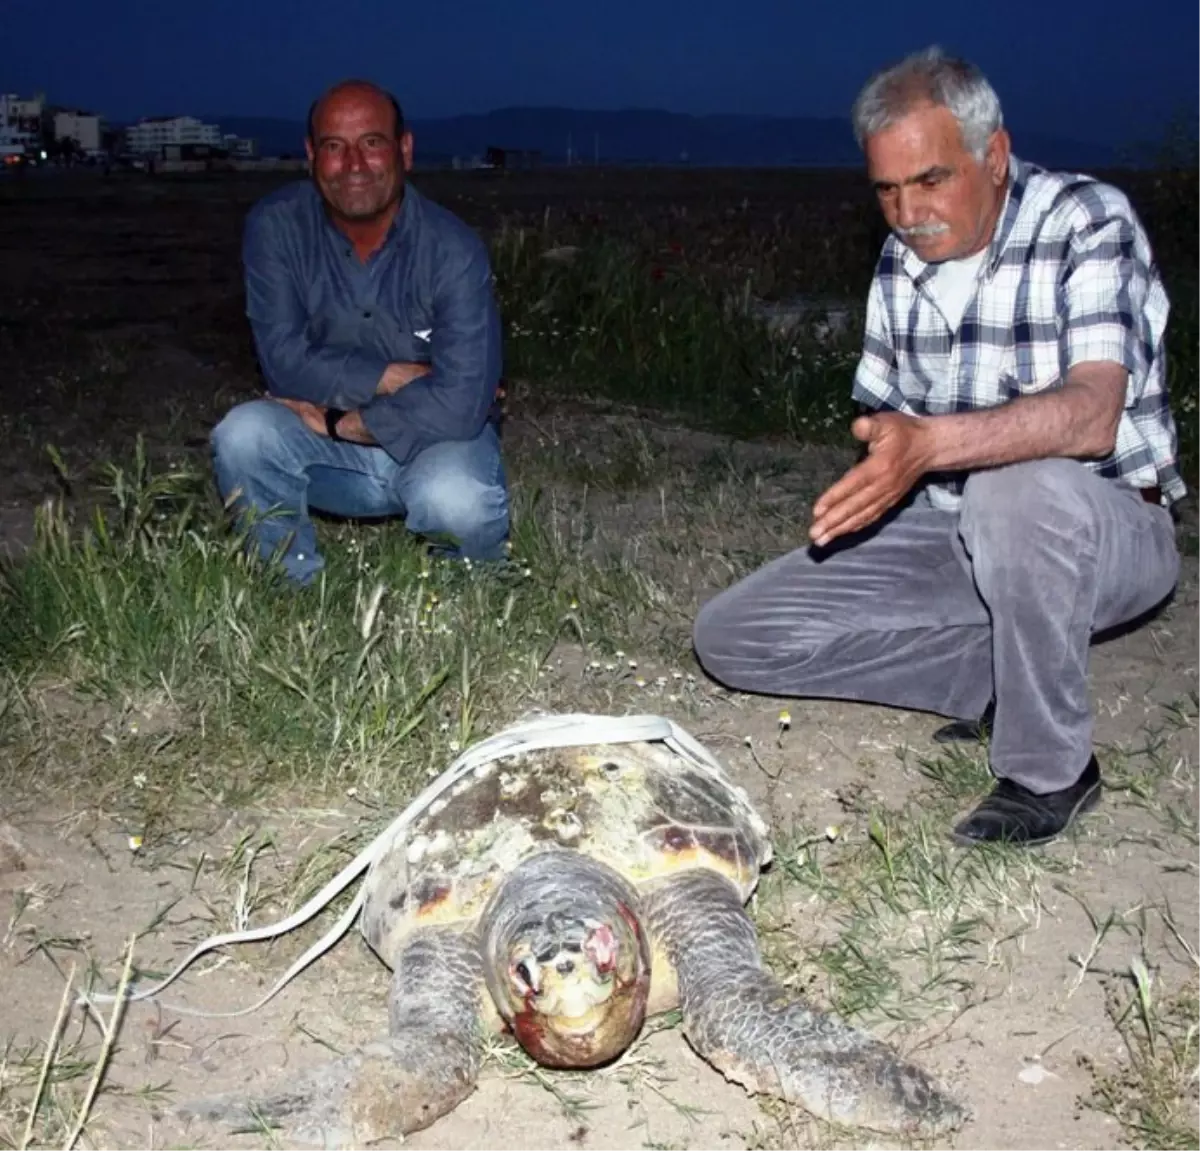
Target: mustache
<point>357,180</point>
<point>923,230</point>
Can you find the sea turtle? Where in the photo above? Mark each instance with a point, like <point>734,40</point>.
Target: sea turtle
<point>562,894</point>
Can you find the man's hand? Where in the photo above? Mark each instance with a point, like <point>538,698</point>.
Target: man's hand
<point>351,427</point>
<point>899,453</point>
<point>313,415</point>
<point>400,375</point>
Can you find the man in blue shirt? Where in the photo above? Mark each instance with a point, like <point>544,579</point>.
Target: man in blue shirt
<point>379,338</point>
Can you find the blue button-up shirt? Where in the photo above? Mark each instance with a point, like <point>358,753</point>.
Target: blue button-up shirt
<point>326,324</point>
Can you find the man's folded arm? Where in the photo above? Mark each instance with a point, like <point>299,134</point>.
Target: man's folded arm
<point>294,366</point>
<point>453,400</point>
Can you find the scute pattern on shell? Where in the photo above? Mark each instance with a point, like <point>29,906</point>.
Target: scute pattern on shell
<point>639,807</point>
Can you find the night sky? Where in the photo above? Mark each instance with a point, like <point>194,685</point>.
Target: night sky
<point>1105,71</point>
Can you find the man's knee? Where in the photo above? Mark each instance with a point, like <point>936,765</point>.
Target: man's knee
<point>713,628</point>
<point>459,505</point>
<point>250,435</point>
<point>739,642</point>
<point>1006,507</point>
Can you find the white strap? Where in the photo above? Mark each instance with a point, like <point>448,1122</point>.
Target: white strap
<point>571,730</point>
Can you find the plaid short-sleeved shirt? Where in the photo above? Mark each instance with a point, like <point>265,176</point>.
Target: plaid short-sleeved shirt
<point>1068,277</point>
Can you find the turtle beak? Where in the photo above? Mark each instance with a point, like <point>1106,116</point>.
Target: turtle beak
<point>590,1037</point>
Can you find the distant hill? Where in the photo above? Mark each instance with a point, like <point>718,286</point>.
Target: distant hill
<point>641,136</point>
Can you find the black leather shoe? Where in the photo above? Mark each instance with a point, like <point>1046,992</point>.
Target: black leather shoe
<point>968,730</point>
<point>1014,814</point>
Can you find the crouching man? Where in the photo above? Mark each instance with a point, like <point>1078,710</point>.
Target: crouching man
<point>378,334</point>
<point>1020,459</point>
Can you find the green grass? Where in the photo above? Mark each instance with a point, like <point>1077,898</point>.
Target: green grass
<point>672,329</point>
<point>613,322</point>
<point>195,653</point>
<point>1153,1094</point>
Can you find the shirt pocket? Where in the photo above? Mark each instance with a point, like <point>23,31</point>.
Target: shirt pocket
<point>997,373</point>
<point>402,339</point>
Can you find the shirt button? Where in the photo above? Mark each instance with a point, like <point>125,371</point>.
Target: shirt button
<point>366,315</point>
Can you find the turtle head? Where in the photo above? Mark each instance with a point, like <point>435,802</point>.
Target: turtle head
<point>576,985</point>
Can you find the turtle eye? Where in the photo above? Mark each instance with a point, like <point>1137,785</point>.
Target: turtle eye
<point>524,977</point>
<point>601,948</point>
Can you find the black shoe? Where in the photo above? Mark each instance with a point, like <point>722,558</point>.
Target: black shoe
<point>1014,814</point>
<point>968,730</point>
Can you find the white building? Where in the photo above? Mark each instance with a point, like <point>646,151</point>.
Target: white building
<point>20,121</point>
<point>82,127</point>
<point>149,137</point>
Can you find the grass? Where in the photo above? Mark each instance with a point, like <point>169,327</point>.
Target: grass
<point>612,322</point>
<point>1154,1094</point>
<point>156,612</point>
<point>626,315</point>
<point>154,676</point>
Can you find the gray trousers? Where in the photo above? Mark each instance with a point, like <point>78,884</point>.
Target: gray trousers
<point>938,611</point>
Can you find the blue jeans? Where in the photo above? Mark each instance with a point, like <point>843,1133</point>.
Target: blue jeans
<point>269,461</point>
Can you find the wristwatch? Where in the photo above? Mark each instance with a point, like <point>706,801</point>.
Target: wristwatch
<point>332,415</point>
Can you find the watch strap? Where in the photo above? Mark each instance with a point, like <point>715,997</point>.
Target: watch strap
<point>332,415</point>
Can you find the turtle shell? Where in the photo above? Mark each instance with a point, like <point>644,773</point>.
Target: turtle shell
<point>641,808</point>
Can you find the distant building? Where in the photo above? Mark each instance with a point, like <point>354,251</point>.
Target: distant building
<point>20,122</point>
<point>86,129</point>
<point>149,136</point>
<point>241,147</point>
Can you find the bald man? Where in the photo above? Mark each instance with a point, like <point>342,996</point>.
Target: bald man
<point>378,335</point>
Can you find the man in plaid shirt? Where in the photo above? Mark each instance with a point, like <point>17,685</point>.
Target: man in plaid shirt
<point>1020,459</point>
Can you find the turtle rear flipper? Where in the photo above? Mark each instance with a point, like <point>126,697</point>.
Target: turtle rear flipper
<point>393,1086</point>
<point>746,1024</point>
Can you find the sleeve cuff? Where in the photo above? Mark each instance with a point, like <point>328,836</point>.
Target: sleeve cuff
<point>357,381</point>
<point>387,428</point>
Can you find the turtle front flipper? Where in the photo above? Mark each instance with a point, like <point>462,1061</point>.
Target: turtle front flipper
<point>742,1021</point>
<point>427,1065</point>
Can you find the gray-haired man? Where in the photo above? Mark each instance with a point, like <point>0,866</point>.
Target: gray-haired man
<point>1020,466</point>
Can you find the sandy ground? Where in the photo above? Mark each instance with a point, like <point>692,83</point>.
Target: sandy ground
<point>1016,1042</point>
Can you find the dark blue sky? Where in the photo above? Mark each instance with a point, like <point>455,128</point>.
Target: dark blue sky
<point>1103,70</point>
